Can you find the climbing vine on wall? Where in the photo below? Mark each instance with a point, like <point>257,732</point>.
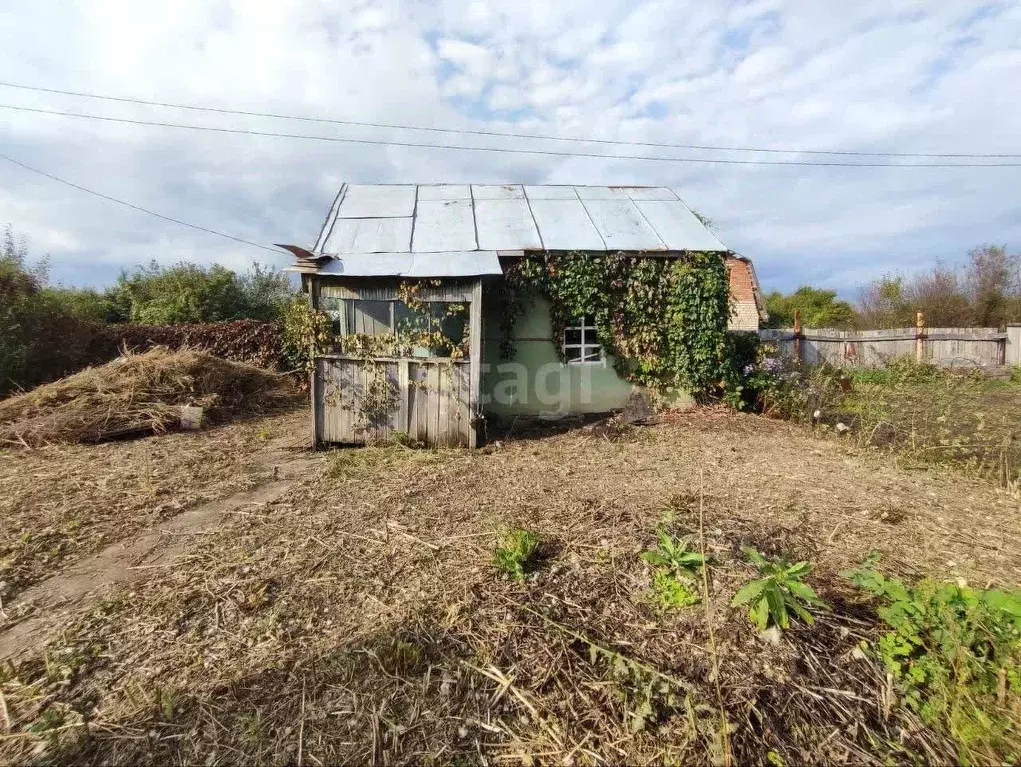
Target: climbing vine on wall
<point>663,319</point>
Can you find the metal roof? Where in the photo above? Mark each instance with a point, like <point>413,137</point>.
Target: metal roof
<point>441,221</point>
<point>472,263</point>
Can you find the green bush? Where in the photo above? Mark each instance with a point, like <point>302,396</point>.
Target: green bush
<point>158,295</point>
<point>44,333</point>
<point>955,653</point>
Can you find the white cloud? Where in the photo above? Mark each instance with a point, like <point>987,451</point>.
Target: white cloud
<point>876,75</point>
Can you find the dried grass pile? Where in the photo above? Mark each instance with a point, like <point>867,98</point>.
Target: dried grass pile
<point>136,394</point>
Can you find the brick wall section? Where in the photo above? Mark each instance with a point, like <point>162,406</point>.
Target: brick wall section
<point>742,296</point>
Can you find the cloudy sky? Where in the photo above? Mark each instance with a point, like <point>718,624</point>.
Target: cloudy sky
<point>883,76</point>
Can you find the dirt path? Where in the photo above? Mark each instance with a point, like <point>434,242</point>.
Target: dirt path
<point>133,559</point>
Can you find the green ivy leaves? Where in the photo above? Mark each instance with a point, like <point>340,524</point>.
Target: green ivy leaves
<point>663,319</point>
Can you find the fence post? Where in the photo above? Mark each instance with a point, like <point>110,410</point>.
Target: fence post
<point>1012,354</point>
<point>919,337</point>
<point>797,336</point>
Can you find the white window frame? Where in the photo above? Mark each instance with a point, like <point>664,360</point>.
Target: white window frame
<point>581,327</point>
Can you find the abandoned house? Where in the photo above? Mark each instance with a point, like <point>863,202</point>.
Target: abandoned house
<point>409,275</point>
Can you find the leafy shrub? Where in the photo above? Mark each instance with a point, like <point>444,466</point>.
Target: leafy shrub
<point>43,335</point>
<point>781,589</point>
<point>674,573</point>
<point>515,552</point>
<point>956,654</point>
<point>306,333</point>
<point>158,295</point>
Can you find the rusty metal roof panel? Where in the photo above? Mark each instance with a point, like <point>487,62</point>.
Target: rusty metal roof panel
<point>458,218</point>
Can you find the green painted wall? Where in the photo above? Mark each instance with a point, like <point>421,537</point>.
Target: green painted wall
<point>537,373</point>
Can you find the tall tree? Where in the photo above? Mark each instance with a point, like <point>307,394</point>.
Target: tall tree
<point>819,308</point>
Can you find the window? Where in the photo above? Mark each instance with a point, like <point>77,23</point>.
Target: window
<point>371,318</point>
<point>581,341</point>
<point>334,308</point>
<point>413,330</point>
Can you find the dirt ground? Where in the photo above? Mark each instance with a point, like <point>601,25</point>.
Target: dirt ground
<point>355,616</point>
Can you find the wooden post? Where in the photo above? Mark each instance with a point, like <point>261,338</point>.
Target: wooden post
<point>919,337</point>
<point>313,380</point>
<point>475,362</point>
<point>797,336</point>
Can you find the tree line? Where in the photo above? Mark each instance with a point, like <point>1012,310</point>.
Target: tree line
<point>983,292</point>
<point>49,330</point>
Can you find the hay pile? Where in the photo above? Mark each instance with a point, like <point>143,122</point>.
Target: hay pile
<point>135,395</point>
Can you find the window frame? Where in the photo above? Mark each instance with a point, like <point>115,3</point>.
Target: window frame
<point>581,325</point>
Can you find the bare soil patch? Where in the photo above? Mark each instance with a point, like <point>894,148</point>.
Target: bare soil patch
<point>357,618</point>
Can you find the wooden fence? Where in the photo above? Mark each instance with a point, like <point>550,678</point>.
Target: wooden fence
<point>359,401</point>
<point>957,347</point>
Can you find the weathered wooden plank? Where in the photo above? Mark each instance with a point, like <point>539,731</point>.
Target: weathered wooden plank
<point>565,225</point>
<point>465,430</point>
<point>403,397</point>
<point>318,434</point>
<point>433,400</point>
<point>622,226</point>
<point>506,223</point>
<point>443,396</point>
<point>444,226</point>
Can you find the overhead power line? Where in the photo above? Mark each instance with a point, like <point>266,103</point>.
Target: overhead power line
<point>504,150</point>
<point>134,207</point>
<point>503,134</point>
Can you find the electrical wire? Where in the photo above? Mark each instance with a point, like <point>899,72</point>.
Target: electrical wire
<point>503,134</point>
<point>502,150</point>
<point>135,207</point>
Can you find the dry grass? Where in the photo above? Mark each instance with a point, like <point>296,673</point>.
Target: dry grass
<point>62,502</point>
<point>135,394</point>
<point>359,619</point>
